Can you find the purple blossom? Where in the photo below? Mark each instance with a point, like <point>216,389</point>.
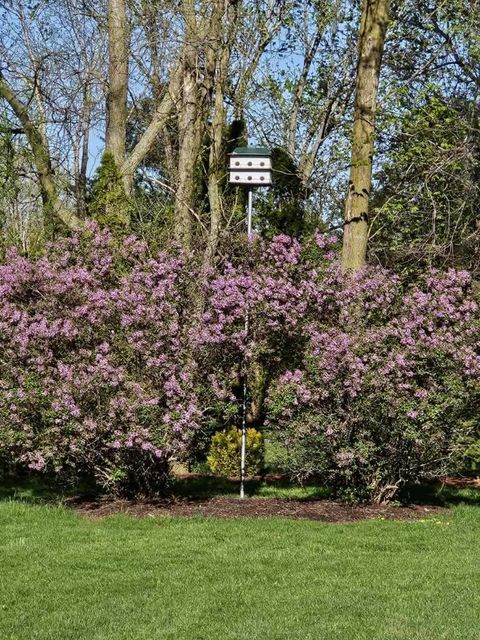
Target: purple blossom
<point>105,349</point>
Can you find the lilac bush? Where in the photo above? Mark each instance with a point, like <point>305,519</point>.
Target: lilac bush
<point>369,383</point>
<point>94,369</point>
<point>388,384</point>
<point>116,362</point>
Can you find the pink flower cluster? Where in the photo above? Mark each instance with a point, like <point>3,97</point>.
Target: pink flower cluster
<point>95,361</point>
<point>114,361</point>
<point>369,381</point>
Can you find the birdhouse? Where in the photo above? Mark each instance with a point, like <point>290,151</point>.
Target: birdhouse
<point>250,166</point>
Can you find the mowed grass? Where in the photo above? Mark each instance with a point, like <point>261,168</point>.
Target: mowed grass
<point>65,577</point>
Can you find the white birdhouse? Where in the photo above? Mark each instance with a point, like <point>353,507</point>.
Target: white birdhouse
<point>250,166</point>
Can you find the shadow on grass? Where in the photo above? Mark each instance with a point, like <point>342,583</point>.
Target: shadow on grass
<point>203,487</point>
<point>37,490</point>
<point>442,495</point>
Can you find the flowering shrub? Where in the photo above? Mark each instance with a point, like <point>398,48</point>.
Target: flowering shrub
<point>114,362</point>
<point>93,373</point>
<point>274,285</point>
<point>369,383</point>
<point>387,386</point>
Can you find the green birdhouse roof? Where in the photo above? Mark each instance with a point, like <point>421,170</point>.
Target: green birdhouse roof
<point>251,151</point>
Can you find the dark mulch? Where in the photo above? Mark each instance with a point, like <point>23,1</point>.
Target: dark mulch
<point>228,507</point>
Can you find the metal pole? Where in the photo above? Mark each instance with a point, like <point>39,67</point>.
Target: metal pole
<point>249,211</point>
<point>243,453</point>
<point>244,438</point>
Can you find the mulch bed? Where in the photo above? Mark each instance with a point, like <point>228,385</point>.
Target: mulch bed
<point>228,507</point>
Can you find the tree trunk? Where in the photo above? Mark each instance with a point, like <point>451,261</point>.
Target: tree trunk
<point>189,149</point>
<point>216,174</point>
<point>373,28</point>
<point>223,30</point>
<point>190,125</point>
<point>298,93</point>
<point>53,207</point>
<point>117,80</point>
<point>159,120</point>
<point>81,186</point>
<point>117,214</point>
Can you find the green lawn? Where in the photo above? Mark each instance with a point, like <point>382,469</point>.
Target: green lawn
<point>63,577</point>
